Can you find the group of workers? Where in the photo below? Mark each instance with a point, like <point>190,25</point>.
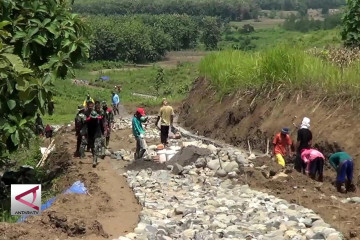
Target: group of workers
<point>93,124</point>
<point>311,161</point>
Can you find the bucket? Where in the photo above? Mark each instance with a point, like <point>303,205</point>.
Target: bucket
<point>162,156</point>
<point>170,154</point>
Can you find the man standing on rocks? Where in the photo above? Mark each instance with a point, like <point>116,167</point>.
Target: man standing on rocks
<point>95,128</point>
<point>166,114</point>
<point>304,139</point>
<point>108,120</point>
<point>342,162</point>
<point>282,143</point>
<point>115,102</point>
<point>139,132</point>
<point>314,161</point>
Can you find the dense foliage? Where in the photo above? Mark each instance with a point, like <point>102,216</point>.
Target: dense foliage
<point>144,38</point>
<point>230,9</point>
<point>305,24</point>
<point>40,40</point>
<point>351,20</point>
<point>289,5</point>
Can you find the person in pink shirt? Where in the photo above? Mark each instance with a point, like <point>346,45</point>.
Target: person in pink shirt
<point>314,161</point>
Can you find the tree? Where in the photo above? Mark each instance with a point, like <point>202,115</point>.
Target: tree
<point>211,32</point>
<point>40,41</point>
<point>350,32</point>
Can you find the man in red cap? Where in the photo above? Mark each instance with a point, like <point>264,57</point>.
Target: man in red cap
<point>139,132</point>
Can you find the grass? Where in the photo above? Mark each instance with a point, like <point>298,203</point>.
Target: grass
<point>177,83</point>
<point>229,71</point>
<point>268,38</point>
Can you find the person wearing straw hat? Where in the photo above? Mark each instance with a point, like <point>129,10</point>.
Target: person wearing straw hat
<point>139,132</point>
<point>282,145</point>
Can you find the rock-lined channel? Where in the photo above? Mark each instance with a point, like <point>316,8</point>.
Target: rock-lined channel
<point>206,201</point>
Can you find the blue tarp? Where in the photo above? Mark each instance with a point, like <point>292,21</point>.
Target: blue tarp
<point>105,78</point>
<point>77,187</point>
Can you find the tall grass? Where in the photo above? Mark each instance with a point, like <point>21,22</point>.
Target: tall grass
<point>292,67</point>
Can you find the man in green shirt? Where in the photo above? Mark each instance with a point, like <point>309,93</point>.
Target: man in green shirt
<point>342,162</point>
<point>139,132</point>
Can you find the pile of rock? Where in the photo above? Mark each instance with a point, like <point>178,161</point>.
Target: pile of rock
<point>122,123</point>
<point>201,207</point>
<point>122,155</point>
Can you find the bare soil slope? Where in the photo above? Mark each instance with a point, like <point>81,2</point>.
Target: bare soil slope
<point>257,116</point>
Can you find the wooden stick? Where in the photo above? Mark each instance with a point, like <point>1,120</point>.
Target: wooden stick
<point>249,146</point>
<point>46,154</point>
<point>267,147</point>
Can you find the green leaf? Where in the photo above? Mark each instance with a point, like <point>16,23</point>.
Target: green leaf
<point>26,51</point>
<point>40,40</point>
<point>66,43</point>
<point>53,29</point>
<point>11,104</point>
<point>22,122</point>
<point>19,35</point>
<point>41,98</point>
<point>73,47</point>
<point>15,138</point>
<point>46,21</point>
<point>4,23</point>
<point>32,32</point>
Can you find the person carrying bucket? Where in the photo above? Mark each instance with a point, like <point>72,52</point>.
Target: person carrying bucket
<point>282,143</point>
<point>139,132</point>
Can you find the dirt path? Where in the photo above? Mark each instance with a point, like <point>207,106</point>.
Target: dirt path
<point>109,211</point>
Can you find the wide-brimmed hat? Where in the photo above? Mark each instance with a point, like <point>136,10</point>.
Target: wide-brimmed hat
<point>94,114</point>
<point>285,130</point>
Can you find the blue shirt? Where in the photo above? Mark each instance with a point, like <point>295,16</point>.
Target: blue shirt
<point>115,99</point>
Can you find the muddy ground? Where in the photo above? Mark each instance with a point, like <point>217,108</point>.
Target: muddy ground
<point>108,211</point>
<point>257,116</point>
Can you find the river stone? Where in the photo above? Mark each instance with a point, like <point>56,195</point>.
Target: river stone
<point>188,233</point>
<point>180,210</point>
<point>354,200</point>
<point>318,236</point>
<point>230,167</point>
<point>241,160</point>
<point>212,148</point>
<point>178,169</point>
<point>232,174</point>
<point>335,236</point>
<point>213,164</point>
<point>200,163</point>
<point>221,173</point>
